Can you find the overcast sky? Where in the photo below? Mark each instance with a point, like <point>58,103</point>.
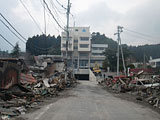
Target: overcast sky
<point>102,16</point>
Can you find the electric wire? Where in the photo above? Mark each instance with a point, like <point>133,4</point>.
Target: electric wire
<point>31,16</point>
<point>150,40</point>
<point>142,34</point>
<point>6,40</point>
<point>61,5</point>
<point>57,8</point>
<point>13,27</point>
<point>12,31</point>
<point>49,19</point>
<point>53,16</point>
<point>34,46</point>
<point>56,11</point>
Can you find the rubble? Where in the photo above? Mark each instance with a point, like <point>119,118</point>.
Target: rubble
<point>31,88</point>
<point>145,86</point>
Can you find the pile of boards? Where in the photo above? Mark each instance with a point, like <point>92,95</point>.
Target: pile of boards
<point>21,97</point>
<point>143,88</point>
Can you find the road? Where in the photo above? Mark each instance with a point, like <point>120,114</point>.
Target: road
<point>88,101</point>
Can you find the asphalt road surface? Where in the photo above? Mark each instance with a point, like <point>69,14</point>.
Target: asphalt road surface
<point>88,101</point>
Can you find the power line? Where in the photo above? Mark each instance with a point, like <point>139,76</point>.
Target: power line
<point>6,40</point>
<point>31,16</point>
<point>12,31</point>
<point>142,34</point>
<point>34,46</point>
<point>56,9</point>
<point>53,16</point>
<point>22,35</point>
<point>150,40</point>
<point>13,27</point>
<point>61,5</point>
<point>42,3</point>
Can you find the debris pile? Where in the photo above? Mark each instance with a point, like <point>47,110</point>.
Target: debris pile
<point>144,86</point>
<point>30,89</point>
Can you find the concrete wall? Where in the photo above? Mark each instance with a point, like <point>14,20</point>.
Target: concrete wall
<point>9,74</point>
<point>92,77</point>
<point>82,71</point>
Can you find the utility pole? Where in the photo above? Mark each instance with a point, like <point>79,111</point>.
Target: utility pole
<point>45,25</point>
<point>67,39</point>
<point>124,66</point>
<point>67,30</point>
<point>44,18</point>
<point>144,60</point>
<point>119,30</point>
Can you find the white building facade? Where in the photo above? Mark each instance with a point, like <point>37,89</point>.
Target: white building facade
<point>81,52</point>
<point>97,54</point>
<point>79,48</point>
<point>155,62</point>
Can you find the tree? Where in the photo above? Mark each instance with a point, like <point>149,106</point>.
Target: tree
<point>16,51</point>
<point>98,38</point>
<point>111,58</point>
<point>147,50</point>
<point>105,64</point>
<point>42,44</point>
<point>110,54</point>
<point>131,66</point>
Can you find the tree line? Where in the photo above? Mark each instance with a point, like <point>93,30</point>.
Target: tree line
<point>42,44</point>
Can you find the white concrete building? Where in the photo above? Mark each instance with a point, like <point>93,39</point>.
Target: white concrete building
<point>97,55</point>
<point>82,55</point>
<point>155,62</point>
<point>79,49</point>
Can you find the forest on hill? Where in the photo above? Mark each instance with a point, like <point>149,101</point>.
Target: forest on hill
<point>137,52</point>
<point>42,44</point>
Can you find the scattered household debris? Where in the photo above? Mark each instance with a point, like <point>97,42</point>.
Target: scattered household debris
<point>23,88</point>
<point>145,85</point>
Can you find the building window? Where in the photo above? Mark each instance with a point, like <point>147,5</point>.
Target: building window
<point>92,61</point>
<point>65,38</point>
<point>97,54</point>
<point>84,38</point>
<point>84,55</point>
<point>101,48</point>
<point>75,47</point>
<point>1,64</point>
<point>76,41</point>
<point>95,48</point>
<point>101,54</point>
<point>83,63</point>
<point>76,30</point>
<point>64,45</point>
<point>158,64</point>
<point>84,45</point>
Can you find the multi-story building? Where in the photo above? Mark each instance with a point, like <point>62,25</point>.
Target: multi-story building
<point>79,48</point>
<point>97,54</point>
<point>81,53</point>
<point>155,63</point>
